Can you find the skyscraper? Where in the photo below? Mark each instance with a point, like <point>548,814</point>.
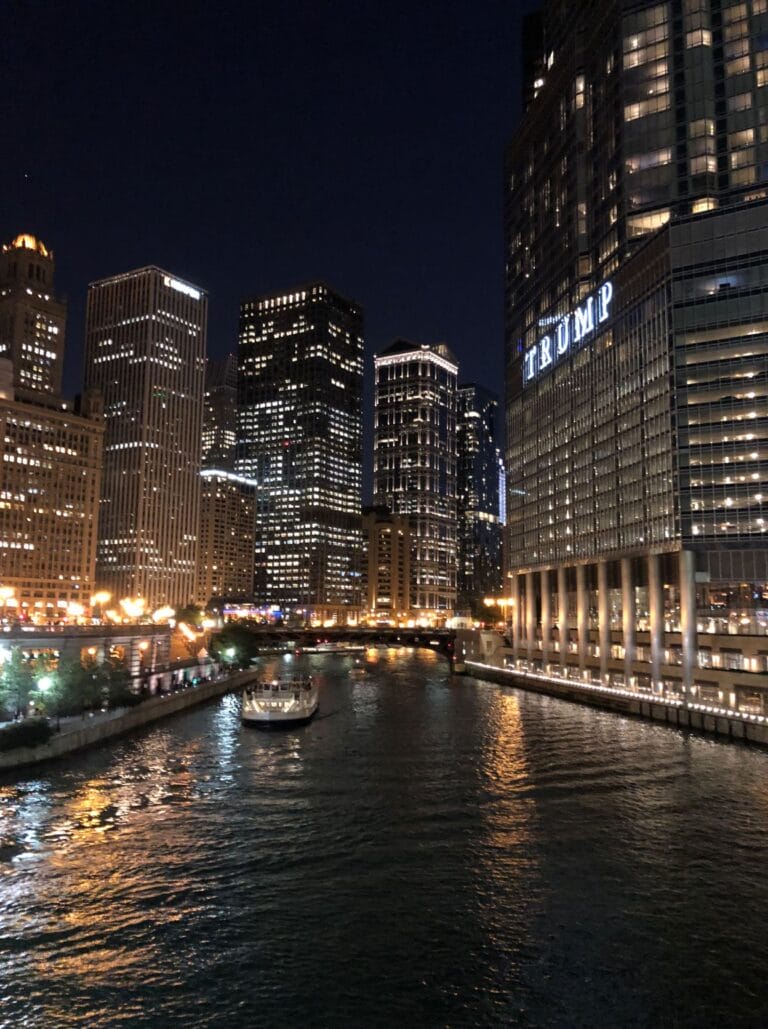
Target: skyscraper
<point>479,527</point>
<point>50,469</point>
<point>300,381</point>
<point>387,566</point>
<point>145,352</point>
<point>220,413</point>
<point>227,527</point>
<point>414,464</point>
<point>32,318</point>
<point>636,221</point>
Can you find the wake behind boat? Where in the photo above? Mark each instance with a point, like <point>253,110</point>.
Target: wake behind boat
<point>280,703</point>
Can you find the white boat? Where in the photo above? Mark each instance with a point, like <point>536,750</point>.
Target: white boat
<point>280,703</point>
<point>332,648</point>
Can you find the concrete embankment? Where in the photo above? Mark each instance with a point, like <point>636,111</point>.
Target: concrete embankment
<point>728,725</point>
<point>100,729</point>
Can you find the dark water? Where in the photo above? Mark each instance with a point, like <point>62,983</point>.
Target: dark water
<point>426,853</point>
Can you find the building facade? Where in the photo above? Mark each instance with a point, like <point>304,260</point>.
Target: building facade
<point>387,566</point>
<point>300,382</point>
<point>479,537</point>
<point>145,353</point>
<point>220,413</point>
<point>636,223</point>
<point>414,464</point>
<point>33,319</point>
<point>227,525</point>
<point>50,471</point>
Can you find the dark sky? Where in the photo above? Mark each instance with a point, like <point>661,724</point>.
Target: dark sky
<point>252,146</point>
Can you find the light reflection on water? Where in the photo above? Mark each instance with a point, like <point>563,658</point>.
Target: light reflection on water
<point>431,850</point>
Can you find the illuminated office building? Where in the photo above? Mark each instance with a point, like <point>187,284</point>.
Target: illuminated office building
<point>33,319</point>
<point>220,413</point>
<point>478,525</point>
<point>145,352</point>
<point>414,464</point>
<point>636,324</point>
<point>227,526</point>
<point>50,468</point>
<point>386,579</point>
<point>300,382</point>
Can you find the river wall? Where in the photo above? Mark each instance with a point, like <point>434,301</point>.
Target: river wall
<point>101,729</point>
<point>678,715</point>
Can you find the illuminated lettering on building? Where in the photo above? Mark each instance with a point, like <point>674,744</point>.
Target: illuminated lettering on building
<point>569,333</point>
<point>181,287</point>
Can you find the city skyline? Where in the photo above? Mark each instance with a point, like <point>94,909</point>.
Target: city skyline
<point>339,182</point>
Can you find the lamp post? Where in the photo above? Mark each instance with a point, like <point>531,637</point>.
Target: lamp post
<point>98,600</point>
<point>44,684</point>
<point>6,594</point>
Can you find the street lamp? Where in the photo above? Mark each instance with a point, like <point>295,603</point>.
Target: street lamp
<point>98,600</point>
<point>44,684</point>
<point>6,595</point>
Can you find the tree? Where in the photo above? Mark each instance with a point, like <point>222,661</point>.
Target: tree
<point>191,614</point>
<point>17,681</point>
<point>77,686</point>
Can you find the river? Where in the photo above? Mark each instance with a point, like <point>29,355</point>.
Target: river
<point>427,852</point>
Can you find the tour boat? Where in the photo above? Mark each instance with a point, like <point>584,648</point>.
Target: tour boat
<point>280,703</point>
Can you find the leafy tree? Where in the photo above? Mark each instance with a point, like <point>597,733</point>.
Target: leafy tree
<point>191,614</point>
<point>17,682</point>
<point>77,686</point>
<point>115,682</point>
<point>244,641</point>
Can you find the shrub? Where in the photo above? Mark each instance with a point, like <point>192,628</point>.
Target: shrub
<point>29,733</point>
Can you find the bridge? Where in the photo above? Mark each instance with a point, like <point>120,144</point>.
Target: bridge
<point>442,641</point>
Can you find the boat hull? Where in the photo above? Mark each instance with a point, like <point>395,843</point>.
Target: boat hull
<point>277,720</point>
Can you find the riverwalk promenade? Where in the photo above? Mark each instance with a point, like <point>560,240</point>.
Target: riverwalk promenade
<point>78,732</point>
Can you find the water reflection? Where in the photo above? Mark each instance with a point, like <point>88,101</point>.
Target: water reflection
<point>465,854</point>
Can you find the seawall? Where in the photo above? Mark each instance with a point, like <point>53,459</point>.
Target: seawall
<point>98,731</point>
<point>729,725</point>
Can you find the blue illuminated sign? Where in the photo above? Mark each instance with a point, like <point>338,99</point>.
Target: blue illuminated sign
<point>570,332</point>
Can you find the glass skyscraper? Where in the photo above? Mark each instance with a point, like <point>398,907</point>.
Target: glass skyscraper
<point>300,382</point>
<point>637,260</point>
<point>479,526</point>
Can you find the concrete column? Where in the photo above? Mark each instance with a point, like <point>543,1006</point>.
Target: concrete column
<point>562,615</point>
<point>603,617</point>
<point>514,594</point>
<point>582,614</point>
<point>628,617</point>
<point>688,631</point>
<point>530,613</point>
<point>546,618</point>
<point>656,610</point>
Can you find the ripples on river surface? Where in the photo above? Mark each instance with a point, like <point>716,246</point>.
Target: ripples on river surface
<point>428,852</point>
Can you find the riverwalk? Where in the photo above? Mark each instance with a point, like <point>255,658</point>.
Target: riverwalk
<point>80,732</point>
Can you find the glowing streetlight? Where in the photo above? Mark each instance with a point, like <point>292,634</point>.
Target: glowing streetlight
<point>98,600</point>
<point>44,683</point>
<point>133,606</point>
<point>163,614</point>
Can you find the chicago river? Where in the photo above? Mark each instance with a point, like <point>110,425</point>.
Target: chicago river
<point>429,851</point>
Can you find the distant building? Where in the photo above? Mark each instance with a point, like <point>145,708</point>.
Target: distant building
<point>227,522</point>
<point>479,526</point>
<point>415,464</point>
<point>32,319</point>
<point>50,469</point>
<point>300,383</point>
<point>387,566</point>
<point>220,413</point>
<point>145,352</point>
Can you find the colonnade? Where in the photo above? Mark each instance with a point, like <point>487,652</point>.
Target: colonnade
<point>531,609</point>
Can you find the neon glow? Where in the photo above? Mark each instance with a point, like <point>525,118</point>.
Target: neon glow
<point>569,333</point>
<point>181,287</point>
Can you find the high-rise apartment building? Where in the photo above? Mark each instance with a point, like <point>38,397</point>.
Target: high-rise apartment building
<point>477,490</point>
<point>387,566</point>
<point>227,525</point>
<point>414,464</point>
<point>50,469</point>
<point>637,258</point>
<point>300,382</point>
<point>145,352</point>
<point>33,319</point>
<point>220,413</point>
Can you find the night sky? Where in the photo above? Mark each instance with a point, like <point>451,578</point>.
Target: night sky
<point>253,146</point>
